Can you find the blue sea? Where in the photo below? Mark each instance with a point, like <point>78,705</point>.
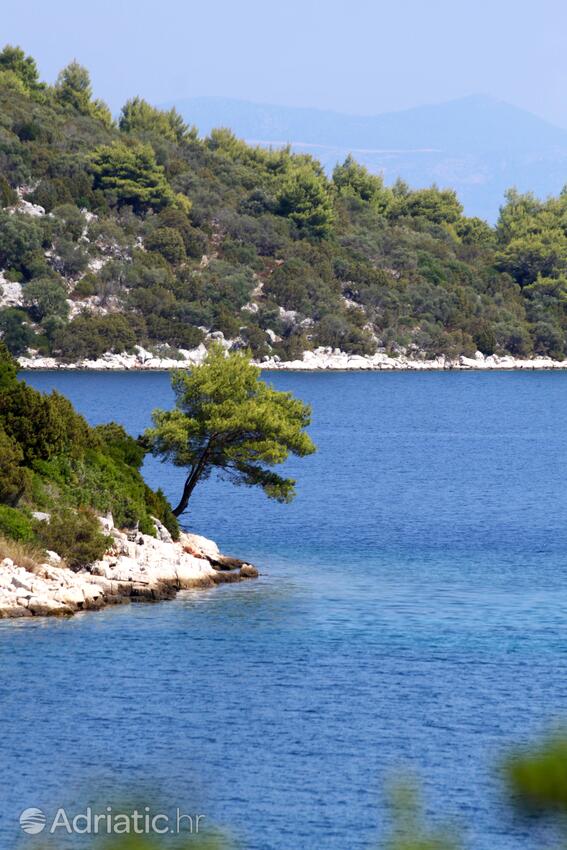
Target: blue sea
<point>410,624</point>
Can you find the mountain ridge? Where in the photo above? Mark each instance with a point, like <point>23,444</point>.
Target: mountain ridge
<point>477,144</point>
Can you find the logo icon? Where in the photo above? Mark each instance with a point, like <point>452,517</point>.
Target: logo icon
<point>32,821</point>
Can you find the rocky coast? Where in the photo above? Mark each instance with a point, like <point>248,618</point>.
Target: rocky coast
<point>321,359</point>
<point>136,568</point>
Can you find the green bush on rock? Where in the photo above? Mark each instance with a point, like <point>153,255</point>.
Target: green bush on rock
<point>76,535</point>
<point>52,460</point>
<point>15,525</point>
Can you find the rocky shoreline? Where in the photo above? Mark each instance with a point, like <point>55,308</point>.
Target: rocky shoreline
<point>136,568</point>
<point>321,359</point>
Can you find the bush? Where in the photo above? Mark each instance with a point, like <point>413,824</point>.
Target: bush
<point>85,288</point>
<point>168,242</point>
<point>14,478</point>
<point>15,525</point>
<point>75,535</point>
<point>91,336</point>
<point>16,332</point>
<point>20,237</point>
<point>46,297</point>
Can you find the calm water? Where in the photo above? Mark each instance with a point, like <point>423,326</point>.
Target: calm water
<point>411,619</point>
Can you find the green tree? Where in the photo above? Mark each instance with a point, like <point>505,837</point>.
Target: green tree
<point>8,368</point>
<point>73,87</point>
<point>168,242</point>
<point>91,336</point>
<point>20,237</point>
<point>354,180</point>
<point>14,478</point>
<point>227,419</point>
<point>129,174</point>
<point>24,67</point>
<point>536,253</point>
<point>15,331</point>
<point>305,200</point>
<point>8,196</point>
<point>439,206</point>
<point>46,297</point>
<point>138,116</point>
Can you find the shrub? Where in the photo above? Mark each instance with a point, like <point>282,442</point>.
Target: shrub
<point>85,288</point>
<point>46,297</point>
<point>14,478</point>
<point>16,333</point>
<point>20,237</point>
<point>130,175</point>
<point>168,242</point>
<point>75,535</point>
<point>8,196</point>
<point>92,336</point>
<point>15,525</point>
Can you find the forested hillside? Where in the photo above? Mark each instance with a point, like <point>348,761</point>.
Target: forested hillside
<point>137,231</point>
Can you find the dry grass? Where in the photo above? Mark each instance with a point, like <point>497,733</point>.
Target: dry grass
<point>22,554</point>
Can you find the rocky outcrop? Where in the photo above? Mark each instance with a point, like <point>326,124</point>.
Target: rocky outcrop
<point>136,568</point>
<point>321,359</point>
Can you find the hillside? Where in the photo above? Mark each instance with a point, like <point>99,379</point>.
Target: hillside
<point>57,474</point>
<point>476,145</point>
<point>140,232</point>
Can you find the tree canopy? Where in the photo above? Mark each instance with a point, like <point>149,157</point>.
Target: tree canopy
<point>228,420</point>
<point>178,237</point>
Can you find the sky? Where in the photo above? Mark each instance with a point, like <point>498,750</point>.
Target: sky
<point>356,56</point>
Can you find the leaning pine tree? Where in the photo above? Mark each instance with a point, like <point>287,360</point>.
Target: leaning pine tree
<point>227,419</point>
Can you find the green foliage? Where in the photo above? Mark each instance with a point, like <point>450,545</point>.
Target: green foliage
<point>223,223</point>
<point>15,525</point>
<point>8,196</point>
<point>227,419</point>
<point>51,458</point>
<point>15,480</point>
<point>16,333</point>
<point>120,445</point>
<point>42,425</point>
<point>15,61</point>
<point>8,369</point>
<point>439,206</point>
<point>73,89</point>
<point>129,174</point>
<point>46,297</point>
<point>20,237</point>
<point>354,180</point>
<point>538,777</point>
<point>168,242</point>
<point>305,200</point>
<point>91,336</point>
<point>140,118</point>
<point>75,535</point>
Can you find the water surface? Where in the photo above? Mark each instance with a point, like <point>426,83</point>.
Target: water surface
<point>411,618</point>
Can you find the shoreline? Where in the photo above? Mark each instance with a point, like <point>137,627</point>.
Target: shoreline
<point>136,568</point>
<point>320,360</point>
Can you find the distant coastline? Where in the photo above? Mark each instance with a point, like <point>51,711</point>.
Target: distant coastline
<point>322,359</point>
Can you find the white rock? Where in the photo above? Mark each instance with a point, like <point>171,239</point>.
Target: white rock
<point>53,556</point>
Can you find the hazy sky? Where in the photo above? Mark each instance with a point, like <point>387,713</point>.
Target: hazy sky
<point>360,56</point>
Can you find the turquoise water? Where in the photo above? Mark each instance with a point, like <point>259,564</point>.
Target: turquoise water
<point>411,619</point>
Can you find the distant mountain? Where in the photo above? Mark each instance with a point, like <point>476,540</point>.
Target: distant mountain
<point>476,145</point>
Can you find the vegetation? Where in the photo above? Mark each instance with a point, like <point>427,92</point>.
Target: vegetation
<point>160,237</point>
<point>227,419</point>
<point>52,461</point>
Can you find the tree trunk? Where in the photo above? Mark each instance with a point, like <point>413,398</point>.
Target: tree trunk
<point>191,481</point>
